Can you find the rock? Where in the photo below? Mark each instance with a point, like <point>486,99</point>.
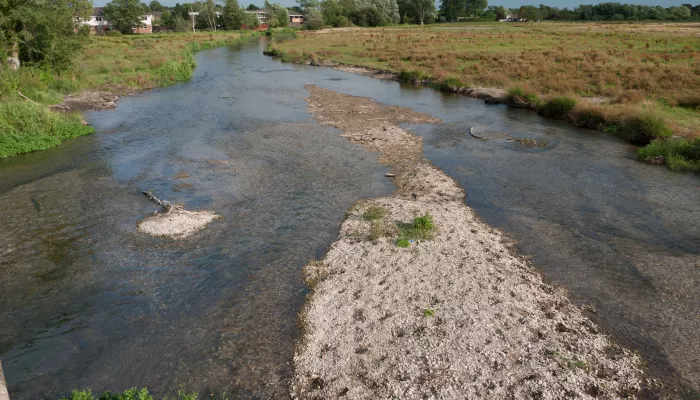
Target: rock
<point>13,62</point>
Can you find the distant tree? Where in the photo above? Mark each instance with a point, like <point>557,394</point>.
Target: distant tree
<point>233,16</point>
<point>277,15</point>
<point>156,6</point>
<point>252,7</point>
<point>251,21</point>
<point>41,32</point>
<point>452,9</point>
<point>367,16</point>
<point>314,19</point>
<point>297,9</point>
<point>125,15</point>
<point>475,7</point>
<point>209,14</point>
<point>423,9</point>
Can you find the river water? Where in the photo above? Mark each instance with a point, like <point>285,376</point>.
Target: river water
<point>86,301</point>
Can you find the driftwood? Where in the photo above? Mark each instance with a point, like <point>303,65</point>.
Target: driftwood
<point>4,394</point>
<point>389,175</point>
<point>166,205</point>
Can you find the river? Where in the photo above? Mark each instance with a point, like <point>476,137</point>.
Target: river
<point>86,301</point>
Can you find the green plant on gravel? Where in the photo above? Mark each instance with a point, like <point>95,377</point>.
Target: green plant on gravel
<point>557,107</point>
<point>129,394</point>
<point>377,230</point>
<point>429,312</point>
<point>374,212</point>
<point>679,154</point>
<point>421,228</point>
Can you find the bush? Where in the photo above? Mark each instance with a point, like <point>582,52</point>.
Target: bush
<point>374,212</point>
<point>113,33</point>
<point>26,127</point>
<point>557,107</point>
<point>367,16</point>
<point>450,84</point>
<point>273,52</point>
<point>644,127</point>
<point>589,116</point>
<point>678,154</point>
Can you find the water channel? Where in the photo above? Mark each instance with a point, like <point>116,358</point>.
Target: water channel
<point>86,301</point>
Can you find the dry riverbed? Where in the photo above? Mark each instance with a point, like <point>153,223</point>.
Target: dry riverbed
<point>459,315</point>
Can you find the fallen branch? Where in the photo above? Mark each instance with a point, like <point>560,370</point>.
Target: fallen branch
<point>471,132</point>
<point>27,98</point>
<point>166,205</point>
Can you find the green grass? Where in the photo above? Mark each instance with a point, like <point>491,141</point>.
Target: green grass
<point>679,154</point>
<point>421,228</point>
<point>129,394</point>
<point>25,127</point>
<point>644,127</point>
<point>518,96</point>
<point>429,312</point>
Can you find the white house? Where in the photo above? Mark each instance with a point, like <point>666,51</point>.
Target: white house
<point>98,24</point>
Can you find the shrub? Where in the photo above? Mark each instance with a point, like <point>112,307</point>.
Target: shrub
<point>589,116</point>
<point>644,127</point>
<point>113,33</point>
<point>272,52</point>
<point>690,101</point>
<point>420,228</point>
<point>557,107</point>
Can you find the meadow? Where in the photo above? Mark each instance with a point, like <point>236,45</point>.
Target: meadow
<point>619,77</point>
<point>119,64</point>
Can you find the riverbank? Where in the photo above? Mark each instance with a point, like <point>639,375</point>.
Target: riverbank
<point>418,298</point>
<point>109,67</point>
<point>594,75</point>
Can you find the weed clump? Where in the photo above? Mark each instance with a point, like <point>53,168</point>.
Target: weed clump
<point>678,154</point>
<point>589,116</point>
<point>421,228</point>
<point>272,52</point>
<point>451,84</point>
<point>520,98</point>
<point>644,127</point>
<point>129,394</point>
<point>557,107</point>
<point>373,213</point>
<point>411,76</point>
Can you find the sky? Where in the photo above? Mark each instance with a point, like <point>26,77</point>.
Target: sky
<point>506,3</point>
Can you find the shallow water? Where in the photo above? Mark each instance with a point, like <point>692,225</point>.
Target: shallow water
<point>86,301</point>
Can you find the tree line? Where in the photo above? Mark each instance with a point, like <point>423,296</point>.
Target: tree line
<point>452,10</point>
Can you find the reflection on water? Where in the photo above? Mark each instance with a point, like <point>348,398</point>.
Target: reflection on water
<point>92,303</point>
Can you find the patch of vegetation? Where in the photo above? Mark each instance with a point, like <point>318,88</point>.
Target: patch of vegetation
<point>377,230</point>
<point>557,107</point>
<point>679,154</point>
<point>429,312</point>
<point>644,127</point>
<point>519,97</point>
<point>566,362</point>
<point>411,76</point>
<point>450,84</point>
<point>272,51</point>
<point>129,394</point>
<point>374,212</point>
<point>26,127</point>
<point>421,228</point>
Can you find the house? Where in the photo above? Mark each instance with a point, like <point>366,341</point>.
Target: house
<point>98,24</point>
<point>261,14</point>
<point>295,19</point>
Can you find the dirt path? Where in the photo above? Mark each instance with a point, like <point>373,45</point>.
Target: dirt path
<point>456,316</point>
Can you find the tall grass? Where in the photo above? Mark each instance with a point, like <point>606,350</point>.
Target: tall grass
<point>129,394</point>
<point>26,127</point>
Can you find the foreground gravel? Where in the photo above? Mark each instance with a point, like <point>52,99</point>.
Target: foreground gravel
<point>456,316</point>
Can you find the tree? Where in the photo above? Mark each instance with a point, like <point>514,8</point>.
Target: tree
<point>234,17</point>
<point>476,7</point>
<point>277,15</point>
<point>156,6</point>
<point>43,32</point>
<point>423,9</point>
<point>209,13</point>
<point>499,11</point>
<point>252,7</point>
<point>125,15</point>
<point>452,9</point>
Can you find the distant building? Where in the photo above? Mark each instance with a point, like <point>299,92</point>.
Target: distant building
<point>295,19</point>
<point>98,24</point>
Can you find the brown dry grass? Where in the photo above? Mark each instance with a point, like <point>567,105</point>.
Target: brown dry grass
<point>633,65</point>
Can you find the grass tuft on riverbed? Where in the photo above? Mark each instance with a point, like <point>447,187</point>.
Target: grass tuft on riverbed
<point>131,394</point>
<point>26,127</point>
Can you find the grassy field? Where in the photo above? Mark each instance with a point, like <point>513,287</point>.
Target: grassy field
<point>119,64</point>
<point>647,74</point>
